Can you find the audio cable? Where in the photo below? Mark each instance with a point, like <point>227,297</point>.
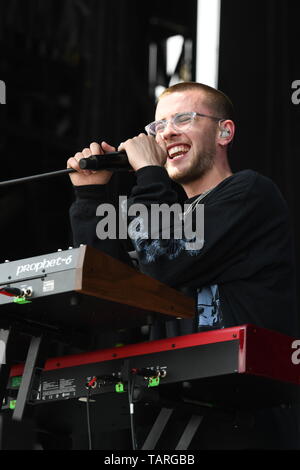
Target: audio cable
<point>131,385</point>
<point>89,385</point>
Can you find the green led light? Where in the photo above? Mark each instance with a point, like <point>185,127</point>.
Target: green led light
<point>119,388</point>
<point>12,404</point>
<point>21,301</point>
<point>153,382</point>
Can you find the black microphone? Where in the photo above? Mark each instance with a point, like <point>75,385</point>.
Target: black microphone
<point>113,161</point>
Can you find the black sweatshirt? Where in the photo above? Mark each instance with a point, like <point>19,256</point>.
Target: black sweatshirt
<point>243,273</point>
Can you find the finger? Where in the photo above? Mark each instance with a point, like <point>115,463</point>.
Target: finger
<point>123,145</point>
<point>77,157</point>
<point>74,162</point>
<point>107,147</point>
<point>96,149</point>
<point>86,152</point>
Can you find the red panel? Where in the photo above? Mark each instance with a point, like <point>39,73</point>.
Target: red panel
<point>261,352</point>
<point>178,342</point>
<point>269,354</point>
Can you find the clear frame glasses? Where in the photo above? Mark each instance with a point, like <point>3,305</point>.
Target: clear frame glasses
<point>180,122</point>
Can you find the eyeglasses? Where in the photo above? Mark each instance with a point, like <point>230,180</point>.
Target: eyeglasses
<point>179,122</point>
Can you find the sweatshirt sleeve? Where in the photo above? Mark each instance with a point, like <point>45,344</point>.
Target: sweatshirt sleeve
<point>84,221</point>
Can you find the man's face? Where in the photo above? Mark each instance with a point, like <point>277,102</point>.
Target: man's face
<point>191,153</point>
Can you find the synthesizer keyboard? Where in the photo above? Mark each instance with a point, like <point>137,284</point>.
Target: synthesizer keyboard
<point>239,367</point>
<point>83,289</point>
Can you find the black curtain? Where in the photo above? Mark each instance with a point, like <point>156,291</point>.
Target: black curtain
<point>258,64</point>
<point>75,72</point>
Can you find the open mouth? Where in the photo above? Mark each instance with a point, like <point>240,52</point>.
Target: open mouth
<point>178,151</point>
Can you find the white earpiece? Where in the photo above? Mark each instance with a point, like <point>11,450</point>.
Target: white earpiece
<point>224,133</point>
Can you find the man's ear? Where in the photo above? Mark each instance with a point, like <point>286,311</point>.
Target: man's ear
<point>226,131</point>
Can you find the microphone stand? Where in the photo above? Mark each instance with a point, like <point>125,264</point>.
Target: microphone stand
<point>27,179</point>
<point>113,161</point>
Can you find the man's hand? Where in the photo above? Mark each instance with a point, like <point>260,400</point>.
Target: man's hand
<point>143,150</point>
<point>85,177</point>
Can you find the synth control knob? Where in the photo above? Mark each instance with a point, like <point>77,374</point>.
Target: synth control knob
<point>7,261</point>
<point>59,249</point>
<point>70,248</point>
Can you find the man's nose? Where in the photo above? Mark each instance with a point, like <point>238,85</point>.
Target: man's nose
<point>169,130</point>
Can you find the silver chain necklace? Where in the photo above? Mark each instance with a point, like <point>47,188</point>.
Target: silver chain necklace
<point>195,203</point>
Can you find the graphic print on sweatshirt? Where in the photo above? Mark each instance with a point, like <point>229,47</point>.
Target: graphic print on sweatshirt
<point>151,249</point>
<point>209,308</point>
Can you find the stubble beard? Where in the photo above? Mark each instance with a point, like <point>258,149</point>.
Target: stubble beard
<point>197,170</point>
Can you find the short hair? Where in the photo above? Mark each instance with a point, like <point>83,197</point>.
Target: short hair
<point>216,100</point>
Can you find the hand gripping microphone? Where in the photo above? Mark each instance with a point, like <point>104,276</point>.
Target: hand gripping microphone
<point>112,161</point>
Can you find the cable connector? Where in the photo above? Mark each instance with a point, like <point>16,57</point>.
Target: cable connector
<point>102,380</point>
<point>11,291</point>
<point>92,383</point>
<point>149,373</point>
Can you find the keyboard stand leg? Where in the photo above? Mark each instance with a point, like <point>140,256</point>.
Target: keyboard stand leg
<point>7,339</point>
<point>27,378</point>
<point>189,432</point>
<point>157,429</point>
